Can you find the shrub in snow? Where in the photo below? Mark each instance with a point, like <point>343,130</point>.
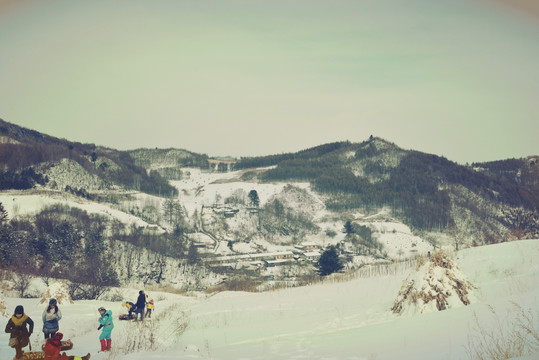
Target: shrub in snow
<point>57,290</point>
<point>436,284</point>
<point>516,335</point>
<point>3,309</point>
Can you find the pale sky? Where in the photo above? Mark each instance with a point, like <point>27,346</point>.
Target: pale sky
<point>458,78</point>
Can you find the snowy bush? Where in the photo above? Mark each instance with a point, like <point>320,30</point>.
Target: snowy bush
<point>436,284</point>
<point>3,308</point>
<point>57,290</point>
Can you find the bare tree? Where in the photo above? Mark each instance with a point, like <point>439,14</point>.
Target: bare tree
<point>22,283</point>
<point>459,237</point>
<point>433,240</point>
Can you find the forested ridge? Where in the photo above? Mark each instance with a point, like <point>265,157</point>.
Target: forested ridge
<point>414,185</point>
<point>27,149</point>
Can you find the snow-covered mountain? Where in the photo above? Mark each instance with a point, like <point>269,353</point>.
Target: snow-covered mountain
<point>398,204</point>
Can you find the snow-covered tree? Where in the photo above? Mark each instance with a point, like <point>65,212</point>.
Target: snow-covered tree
<point>57,290</point>
<point>253,197</point>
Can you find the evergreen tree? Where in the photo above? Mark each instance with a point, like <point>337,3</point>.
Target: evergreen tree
<point>329,262</point>
<point>192,255</point>
<point>253,196</point>
<point>348,228</point>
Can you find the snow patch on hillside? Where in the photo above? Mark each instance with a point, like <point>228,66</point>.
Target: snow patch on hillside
<point>203,188</point>
<point>68,172</point>
<point>27,203</point>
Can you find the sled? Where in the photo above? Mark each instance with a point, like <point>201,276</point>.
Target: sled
<point>126,317</point>
<point>33,355</point>
<point>66,345</point>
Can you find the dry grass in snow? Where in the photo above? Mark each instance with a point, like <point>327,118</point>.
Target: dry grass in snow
<point>436,284</point>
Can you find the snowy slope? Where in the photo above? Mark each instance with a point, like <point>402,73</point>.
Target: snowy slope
<point>200,189</point>
<point>27,202</point>
<point>333,320</point>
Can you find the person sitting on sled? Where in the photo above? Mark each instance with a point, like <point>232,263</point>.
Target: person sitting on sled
<point>107,325</point>
<point>20,334</point>
<point>53,347</point>
<point>130,308</point>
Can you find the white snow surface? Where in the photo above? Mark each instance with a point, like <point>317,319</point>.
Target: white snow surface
<point>25,203</point>
<point>202,187</point>
<point>331,320</point>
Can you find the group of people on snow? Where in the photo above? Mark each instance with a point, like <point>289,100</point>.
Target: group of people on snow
<point>20,327</point>
<point>142,304</point>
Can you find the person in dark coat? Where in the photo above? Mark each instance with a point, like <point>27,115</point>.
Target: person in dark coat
<point>21,327</point>
<point>141,305</point>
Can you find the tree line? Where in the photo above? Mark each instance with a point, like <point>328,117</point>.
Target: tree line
<point>270,160</point>
<point>58,242</point>
<point>68,243</point>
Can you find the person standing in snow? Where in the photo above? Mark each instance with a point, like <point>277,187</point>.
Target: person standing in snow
<point>141,305</point>
<point>20,333</point>
<point>53,346</point>
<point>149,308</point>
<point>107,325</point>
<point>51,316</point>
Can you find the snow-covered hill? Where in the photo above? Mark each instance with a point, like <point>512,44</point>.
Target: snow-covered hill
<point>207,194</point>
<point>331,320</point>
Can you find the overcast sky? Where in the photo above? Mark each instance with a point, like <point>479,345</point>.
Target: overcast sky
<point>458,78</point>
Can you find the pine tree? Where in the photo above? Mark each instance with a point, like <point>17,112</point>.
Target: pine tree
<point>329,262</point>
<point>253,196</point>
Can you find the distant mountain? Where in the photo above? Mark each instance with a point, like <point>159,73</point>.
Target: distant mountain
<point>24,152</point>
<point>486,201</point>
<point>144,215</point>
<point>426,191</point>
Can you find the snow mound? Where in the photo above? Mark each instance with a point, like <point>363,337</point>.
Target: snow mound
<point>57,290</point>
<point>437,284</point>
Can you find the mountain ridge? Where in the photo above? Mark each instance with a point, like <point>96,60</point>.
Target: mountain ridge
<point>374,200</point>
<point>367,175</point>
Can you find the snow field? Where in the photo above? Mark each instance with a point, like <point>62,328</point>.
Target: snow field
<point>330,320</point>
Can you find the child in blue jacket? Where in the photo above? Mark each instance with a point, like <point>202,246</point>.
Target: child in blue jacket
<point>107,325</point>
